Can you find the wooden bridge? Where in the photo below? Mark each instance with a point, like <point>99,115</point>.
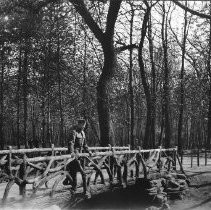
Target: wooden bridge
<point>38,167</point>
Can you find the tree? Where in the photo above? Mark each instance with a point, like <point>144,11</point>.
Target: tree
<point>131,92</point>
<point>202,15</point>
<point>143,76</point>
<point>153,82</point>
<point>56,71</point>
<point>181,107</point>
<point>166,91</point>
<point>110,62</point>
<point>2,140</point>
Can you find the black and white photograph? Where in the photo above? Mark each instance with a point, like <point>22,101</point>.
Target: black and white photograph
<point>105,105</point>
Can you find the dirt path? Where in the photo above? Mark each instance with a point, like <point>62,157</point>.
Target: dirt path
<point>199,196</point>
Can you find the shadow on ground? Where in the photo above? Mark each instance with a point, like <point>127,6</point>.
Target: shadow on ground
<point>127,198</point>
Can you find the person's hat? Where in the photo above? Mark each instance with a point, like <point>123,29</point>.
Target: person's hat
<point>81,121</point>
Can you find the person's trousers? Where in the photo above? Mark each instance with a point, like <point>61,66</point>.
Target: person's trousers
<point>73,167</point>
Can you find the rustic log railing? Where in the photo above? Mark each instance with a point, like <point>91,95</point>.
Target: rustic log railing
<point>57,149</point>
<point>113,164</point>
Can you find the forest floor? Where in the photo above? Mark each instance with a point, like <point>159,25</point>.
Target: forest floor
<point>198,197</point>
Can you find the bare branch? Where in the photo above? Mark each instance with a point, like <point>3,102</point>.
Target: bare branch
<point>126,47</point>
<point>112,16</point>
<point>202,15</point>
<point>85,14</point>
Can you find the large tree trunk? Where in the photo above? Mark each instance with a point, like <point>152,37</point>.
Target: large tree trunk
<point>153,88</point>
<point>131,92</point>
<point>59,73</point>
<point>103,99</point>
<point>166,89</point>
<point>181,105</point>
<point>106,40</point>
<point>146,142</point>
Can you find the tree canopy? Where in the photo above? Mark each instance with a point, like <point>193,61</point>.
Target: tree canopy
<point>137,71</point>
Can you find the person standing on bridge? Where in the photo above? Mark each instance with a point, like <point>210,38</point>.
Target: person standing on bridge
<point>77,144</point>
<point>77,139</point>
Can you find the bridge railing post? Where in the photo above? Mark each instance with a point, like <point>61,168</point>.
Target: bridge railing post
<point>175,159</point>
<point>113,168</point>
<point>10,161</point>
<point>9,172</point>
<point>198,156</point>
<point>109,158</point>
<point>159,158</point>
<point>23,176</point>
<point>180,164</point>
<point>205,156</point>
<point>143,163</point>
<point>191,158</point>
<point>53,150</point>
<point>182,154</point>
